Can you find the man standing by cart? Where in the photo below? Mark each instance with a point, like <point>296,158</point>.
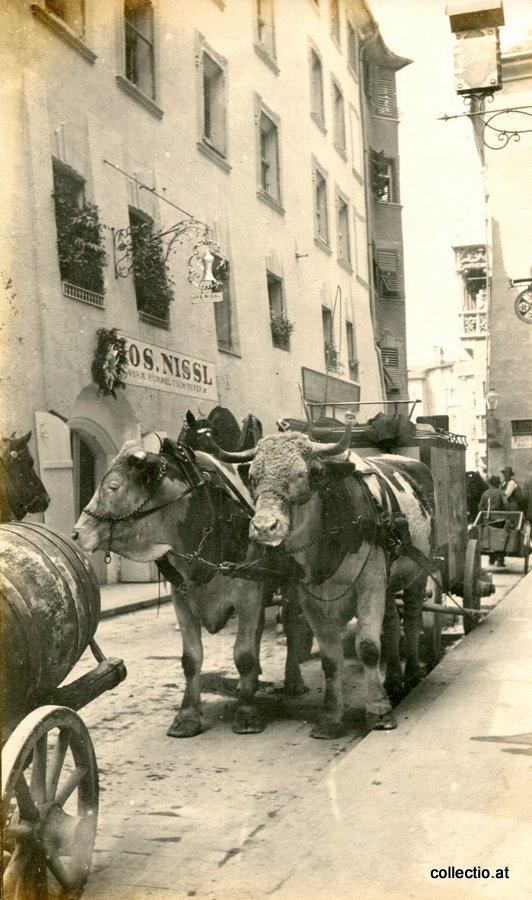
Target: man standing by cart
<point>510,489</point>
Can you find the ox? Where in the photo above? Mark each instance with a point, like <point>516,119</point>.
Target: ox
<point>360,530</point>
<point>190,513</point>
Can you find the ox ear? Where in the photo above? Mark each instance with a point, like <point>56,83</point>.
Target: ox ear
<point>191,419</point>
<point>21,442</point>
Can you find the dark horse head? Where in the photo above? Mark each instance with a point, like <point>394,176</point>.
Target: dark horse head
<point>199,433</point>
<point>22,491</point>
<point>475,487</point>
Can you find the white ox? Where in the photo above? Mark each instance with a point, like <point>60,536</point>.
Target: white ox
<point>170,506</point>
<point>367,515</point>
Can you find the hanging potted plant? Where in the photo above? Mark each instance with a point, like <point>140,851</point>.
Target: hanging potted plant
<point>79,242</point>
<point>110,363</point>
<point>281,328</point>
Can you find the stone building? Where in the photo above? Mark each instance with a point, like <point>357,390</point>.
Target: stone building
<point>158,150</point>
<point>509,180</point>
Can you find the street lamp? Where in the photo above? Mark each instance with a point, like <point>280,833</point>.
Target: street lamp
<point>492,401</point>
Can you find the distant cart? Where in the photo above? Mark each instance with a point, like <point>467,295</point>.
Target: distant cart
<point>502,531</point>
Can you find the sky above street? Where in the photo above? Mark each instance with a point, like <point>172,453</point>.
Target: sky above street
<point>441,180</point>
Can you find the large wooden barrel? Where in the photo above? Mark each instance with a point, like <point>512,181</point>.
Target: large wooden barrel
<point>50,610</point>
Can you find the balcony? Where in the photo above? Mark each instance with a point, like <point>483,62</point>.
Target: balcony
<point>474,324</point>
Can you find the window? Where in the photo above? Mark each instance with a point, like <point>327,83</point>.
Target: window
<point>223,310</point>
<point>153,289</point>
<point>280,326</point>
<point>265,26</point>
<point>384,93</point>
<point>390,356</point>
<point>269,157</point>
<point>72,13</point>
<point>316,87</point>
<point>334,8</point>
<point>329,350</point>
<point>356,141</point>
<point>339,118</point>
<point>351,350</point>
<point>320,206</point>
<point>213,104</point>
<point>386,270</point>
<point>352,50</point>
<point>344,242</point>
<point>140,59</point>
<point>80,248</point>
<point>383,180</point>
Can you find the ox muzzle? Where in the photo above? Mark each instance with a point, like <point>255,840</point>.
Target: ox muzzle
<point>270,525</point>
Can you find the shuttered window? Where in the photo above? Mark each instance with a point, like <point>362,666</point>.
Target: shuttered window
<point>384,94</point>
<point>387,272</point>
<point>390,356</point>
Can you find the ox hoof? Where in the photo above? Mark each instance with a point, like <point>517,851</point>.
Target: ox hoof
<point>184,727</point>
<point>295,688</point>
<point>394,690</point>
<point>384,722</point>
<point>328,729</point>
<point>413,676</point>
<point>247,721</point>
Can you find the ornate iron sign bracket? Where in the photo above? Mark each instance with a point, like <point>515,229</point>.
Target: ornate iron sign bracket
<point>497,132</point>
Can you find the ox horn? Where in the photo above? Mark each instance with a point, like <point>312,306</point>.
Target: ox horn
<point>333,449</point>
<point>233,456</point>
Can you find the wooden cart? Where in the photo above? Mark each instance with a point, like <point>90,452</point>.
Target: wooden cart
<point>50,611</point>
<point>502,531</point>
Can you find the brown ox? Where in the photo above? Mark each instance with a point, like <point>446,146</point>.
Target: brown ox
<point>353,525</point>
<point>189,513</point>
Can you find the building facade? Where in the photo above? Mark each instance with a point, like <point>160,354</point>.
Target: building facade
<point>509,179</point>
<point>157,150</point>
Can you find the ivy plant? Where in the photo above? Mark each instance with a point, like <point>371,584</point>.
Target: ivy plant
<point>79,241</point>
<point>153,284</point>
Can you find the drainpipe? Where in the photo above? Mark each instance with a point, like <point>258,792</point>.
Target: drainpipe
<point>368,200</point>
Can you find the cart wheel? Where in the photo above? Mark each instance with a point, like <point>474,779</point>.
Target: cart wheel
<point>526,546</point>
<point>471,593</point>
<point>431,644</point>
<point>49,806</point>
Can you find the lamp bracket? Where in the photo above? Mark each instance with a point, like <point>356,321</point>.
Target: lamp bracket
<point>171,238</point>
<point>497,131</point>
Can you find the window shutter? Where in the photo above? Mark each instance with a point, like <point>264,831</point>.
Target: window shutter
<point>385,95</point>
<point>390,356</point>
<point>388,263</point>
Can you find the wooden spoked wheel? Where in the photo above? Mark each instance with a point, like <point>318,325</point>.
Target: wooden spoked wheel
<point>431,644</point>
<point>49,806</point>
<point>472,587</point>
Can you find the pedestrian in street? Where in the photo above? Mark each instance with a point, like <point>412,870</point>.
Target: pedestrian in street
<point>511,489</point>
<point>514,503</point>
<point>494,499</point>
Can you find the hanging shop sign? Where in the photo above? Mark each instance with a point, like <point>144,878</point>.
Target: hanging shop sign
<point>167,370</point>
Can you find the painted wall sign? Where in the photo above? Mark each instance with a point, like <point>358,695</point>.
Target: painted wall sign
<point>161,369</point>
<point>521,441</point>
<point>211,296</point>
